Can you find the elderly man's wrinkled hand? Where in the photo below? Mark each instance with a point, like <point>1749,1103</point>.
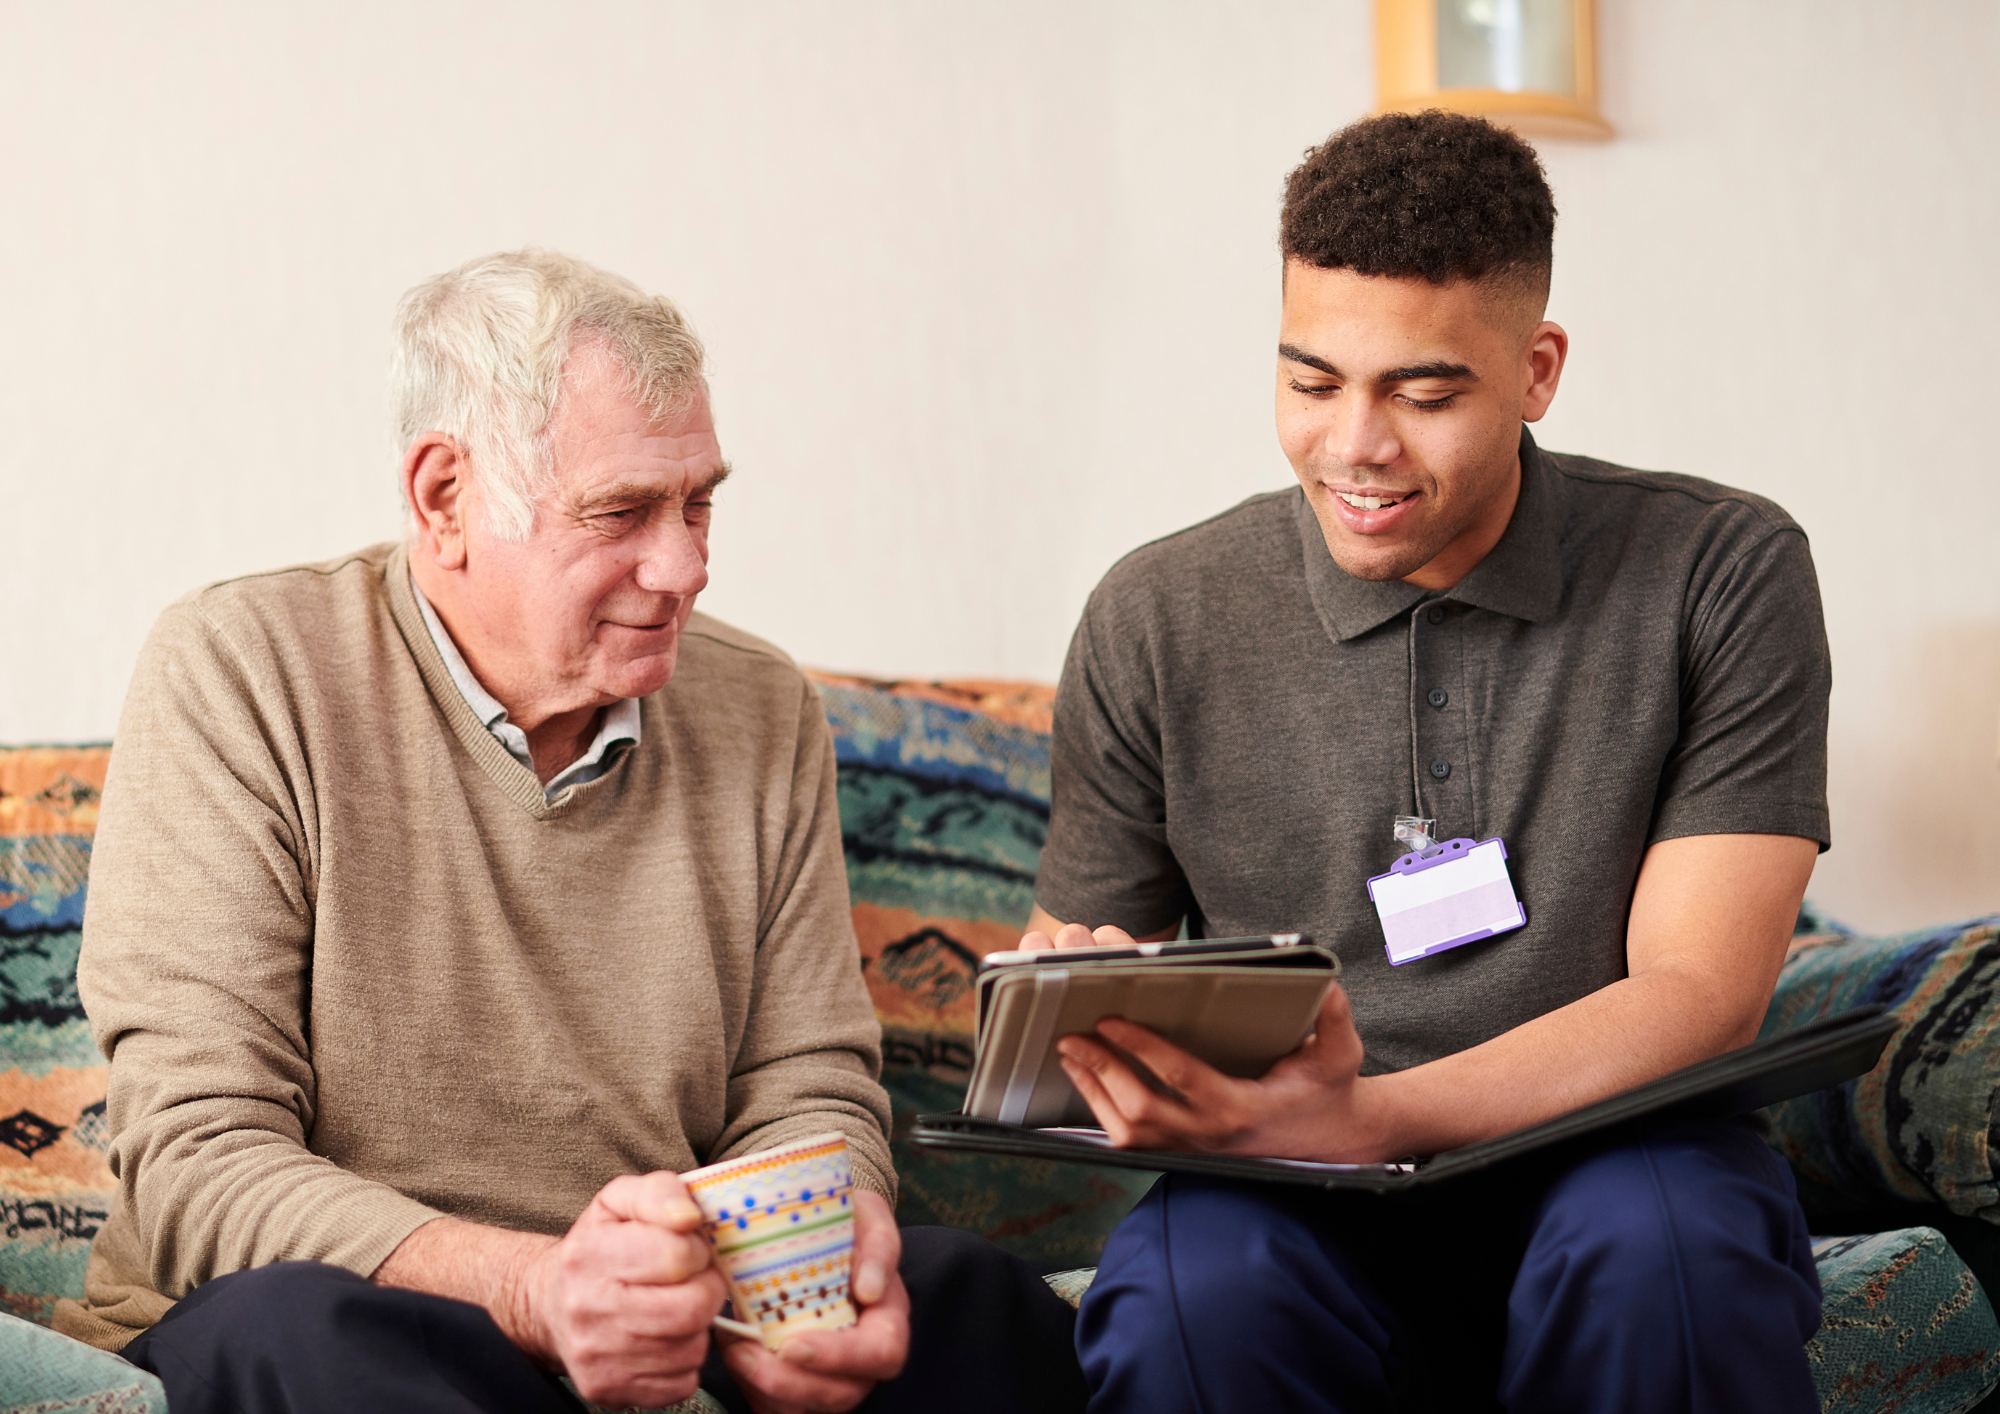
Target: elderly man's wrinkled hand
<point>827,1372</point>
<point>622,1303</point>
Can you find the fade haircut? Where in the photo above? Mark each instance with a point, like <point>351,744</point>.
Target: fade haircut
<point>1439,195</point>
<point>480,352</point>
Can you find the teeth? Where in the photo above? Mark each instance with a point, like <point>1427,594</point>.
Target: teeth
<point>1368,503</point>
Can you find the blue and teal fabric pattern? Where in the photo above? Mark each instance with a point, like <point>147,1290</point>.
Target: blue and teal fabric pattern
<point>944,807</point>
<point>1903,1326</point>
<point>1920,1126</point>
<point>55,1186</point>
<point>45,1373</point>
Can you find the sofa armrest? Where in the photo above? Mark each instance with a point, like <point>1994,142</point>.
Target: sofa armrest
<point>1919,1126</point>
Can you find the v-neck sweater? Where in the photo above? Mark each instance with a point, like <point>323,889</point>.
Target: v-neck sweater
<point>353,971</point>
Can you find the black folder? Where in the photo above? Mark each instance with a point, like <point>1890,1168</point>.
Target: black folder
<point>1828,1051</point>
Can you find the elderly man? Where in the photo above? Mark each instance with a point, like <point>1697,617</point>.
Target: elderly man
<point>452,896</point>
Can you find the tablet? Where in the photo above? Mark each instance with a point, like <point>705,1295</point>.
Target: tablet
<point>1239,1004</point>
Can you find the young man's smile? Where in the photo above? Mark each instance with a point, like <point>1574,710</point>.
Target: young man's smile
<point>1400,405</point>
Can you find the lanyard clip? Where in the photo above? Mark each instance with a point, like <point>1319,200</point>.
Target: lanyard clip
<point>1414,832</point>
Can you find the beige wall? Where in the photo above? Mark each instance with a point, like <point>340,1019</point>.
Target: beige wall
<point>990,291</point>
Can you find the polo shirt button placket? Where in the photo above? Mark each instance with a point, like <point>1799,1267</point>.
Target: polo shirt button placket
<point>1437,737</point>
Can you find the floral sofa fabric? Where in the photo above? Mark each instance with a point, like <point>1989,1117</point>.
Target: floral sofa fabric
<point>944,808</point>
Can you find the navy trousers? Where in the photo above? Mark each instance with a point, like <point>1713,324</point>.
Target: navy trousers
<point>1668,1273</point>
<point>986,1335</point>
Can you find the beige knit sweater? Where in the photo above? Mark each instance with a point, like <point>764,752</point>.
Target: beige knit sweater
<point>352,971</point>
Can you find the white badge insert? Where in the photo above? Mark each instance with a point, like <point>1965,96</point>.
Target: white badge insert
<point>1445,896</point>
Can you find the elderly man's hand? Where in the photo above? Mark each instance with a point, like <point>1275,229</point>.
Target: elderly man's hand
<point>829,1371</point>
<point>623,1301</point>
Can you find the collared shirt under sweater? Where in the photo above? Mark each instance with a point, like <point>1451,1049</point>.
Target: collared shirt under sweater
<point>354,969</point>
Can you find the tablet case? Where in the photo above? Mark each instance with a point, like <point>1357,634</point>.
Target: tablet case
<point>1237,1003</point>
<point>1824,1053</point>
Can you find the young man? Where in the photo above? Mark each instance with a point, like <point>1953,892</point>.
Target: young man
<point>1623,675</point>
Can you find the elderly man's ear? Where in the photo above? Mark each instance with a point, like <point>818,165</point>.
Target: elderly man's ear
<point>436,483</point>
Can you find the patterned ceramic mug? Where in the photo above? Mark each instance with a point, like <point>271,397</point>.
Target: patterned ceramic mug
<point>782,1225</point>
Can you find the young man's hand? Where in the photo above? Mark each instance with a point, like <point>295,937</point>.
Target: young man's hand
<point>1310,1105</point>
<point>826,1372</point>
<point>1045,932</point>
<point>1075,935</point>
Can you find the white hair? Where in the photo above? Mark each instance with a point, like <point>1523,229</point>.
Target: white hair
<point>480,353</point>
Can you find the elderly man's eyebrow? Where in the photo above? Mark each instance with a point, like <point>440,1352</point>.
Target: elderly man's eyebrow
<point>622,493</point>
<point>626,493</point>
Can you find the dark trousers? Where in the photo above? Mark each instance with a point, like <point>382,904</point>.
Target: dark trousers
<point>301,1337</point>
<point>1671,1273</point>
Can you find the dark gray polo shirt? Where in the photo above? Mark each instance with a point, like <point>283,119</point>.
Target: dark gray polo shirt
<point>1641,657</point>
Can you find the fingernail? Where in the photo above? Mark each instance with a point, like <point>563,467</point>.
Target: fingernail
<point>1067,1049</point>
<point>799,1353</point>
<point>870,1282</point>
<point>683,1210</point>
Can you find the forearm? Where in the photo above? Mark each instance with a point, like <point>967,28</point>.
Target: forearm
<point>222,1183</point>
<point>486,1266</point>
<point>1625,1035</point>
<point>1711,917</point>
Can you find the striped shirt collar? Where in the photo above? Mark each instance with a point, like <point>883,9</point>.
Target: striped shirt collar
<point>621,719</point>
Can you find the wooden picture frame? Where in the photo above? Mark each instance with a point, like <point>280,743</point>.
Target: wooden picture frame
<point>1406,76</point>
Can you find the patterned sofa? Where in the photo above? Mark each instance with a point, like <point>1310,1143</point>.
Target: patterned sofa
<point>943,801</point>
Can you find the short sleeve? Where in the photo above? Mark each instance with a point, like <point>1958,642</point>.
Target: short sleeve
<point>1108,860</point>
<point>1755,681</point>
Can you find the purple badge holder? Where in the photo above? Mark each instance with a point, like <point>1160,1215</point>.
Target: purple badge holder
<point>1445,896</point>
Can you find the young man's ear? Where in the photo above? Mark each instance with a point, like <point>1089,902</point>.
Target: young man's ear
<point>435,486</point>
<point>1548,347</point>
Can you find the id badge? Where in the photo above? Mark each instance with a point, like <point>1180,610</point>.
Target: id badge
<point>1445,896</point>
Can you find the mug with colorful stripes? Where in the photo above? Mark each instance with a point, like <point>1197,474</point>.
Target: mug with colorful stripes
<point>782,1225</point>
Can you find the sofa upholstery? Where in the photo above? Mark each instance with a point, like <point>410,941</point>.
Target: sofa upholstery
<point>944,807</point>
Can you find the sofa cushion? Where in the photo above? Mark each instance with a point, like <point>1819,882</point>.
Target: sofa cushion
<point>45,1373</point>
<point>1904,1326</point>
<point>55,1187</point>
<point>944,806</point>
<point>1918,1127</point>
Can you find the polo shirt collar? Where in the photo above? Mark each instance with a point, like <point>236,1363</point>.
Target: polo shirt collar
<point>1520,577</point>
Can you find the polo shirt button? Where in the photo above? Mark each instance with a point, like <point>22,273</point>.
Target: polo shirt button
<point>1438,697</point>
<point>1440,769</point>
<point>1436,615</point>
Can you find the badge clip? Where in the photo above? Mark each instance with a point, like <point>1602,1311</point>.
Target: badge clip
<point>1445,896</point>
